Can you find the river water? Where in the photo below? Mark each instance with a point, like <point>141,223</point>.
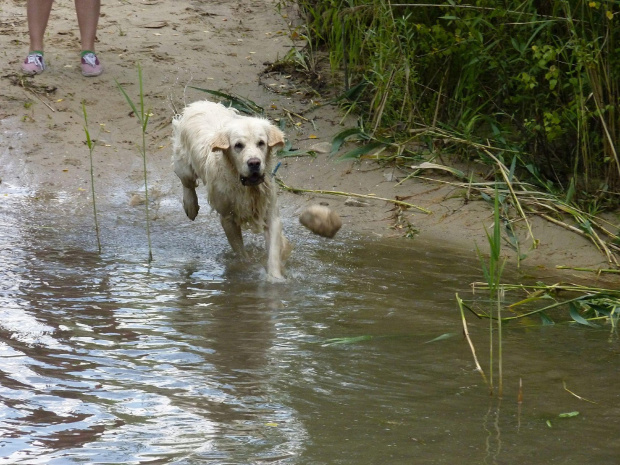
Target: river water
<point>358,358</point>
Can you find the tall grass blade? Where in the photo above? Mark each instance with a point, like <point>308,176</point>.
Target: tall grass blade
<point>340,138</point>
<point>143,118</point>
<point>91,147</point>
<point>362,150</point>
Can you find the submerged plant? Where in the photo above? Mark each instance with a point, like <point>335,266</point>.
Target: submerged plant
<point>587,305</point>
<point>492,271</point>
<point>91,147</point>
<point>143,119</point>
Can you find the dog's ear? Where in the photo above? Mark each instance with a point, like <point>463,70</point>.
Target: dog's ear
<point>220,141</point>
<point>276,137</point>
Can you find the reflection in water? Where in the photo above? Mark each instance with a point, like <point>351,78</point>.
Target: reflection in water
<point>196,359</point>
<point>491,425</point>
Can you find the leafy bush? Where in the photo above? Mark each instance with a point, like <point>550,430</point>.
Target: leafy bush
<point>537,79</point>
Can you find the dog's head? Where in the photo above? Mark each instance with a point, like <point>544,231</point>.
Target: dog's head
<point>248,142</point>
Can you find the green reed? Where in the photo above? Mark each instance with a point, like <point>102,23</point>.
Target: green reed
<point>492,269</point>
<point>143,119</point>
<point>90,143</point>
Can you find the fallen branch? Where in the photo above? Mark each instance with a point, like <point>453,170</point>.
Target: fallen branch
<point>592,270</point>
<point>297,190</point>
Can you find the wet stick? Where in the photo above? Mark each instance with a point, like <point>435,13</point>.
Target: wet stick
<point>143,119</point>
<point>91,147</point>
<point>471,345</point>
<point>592,270</point>
<point>519,403</point>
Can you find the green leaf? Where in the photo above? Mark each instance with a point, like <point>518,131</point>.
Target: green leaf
<point>568,414</point>
<point>89,141</point>
<point>129,101</point>
<point>546,321</point>
<point>363,150</point>
<point>570,193</point>
<point>341,138</point>
<point>575,315</point>
<point>486,197</point>
<point>140,82</point>
<point>601,309</point>
<point>353,94</point>
<point>513,166</point>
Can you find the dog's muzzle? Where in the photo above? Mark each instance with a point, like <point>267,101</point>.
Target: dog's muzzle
<point>253,179</point>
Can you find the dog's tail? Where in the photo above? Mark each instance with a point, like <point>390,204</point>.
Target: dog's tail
<point>176,119</point>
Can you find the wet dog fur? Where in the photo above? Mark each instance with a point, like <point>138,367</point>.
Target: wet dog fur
<point>233,155</point>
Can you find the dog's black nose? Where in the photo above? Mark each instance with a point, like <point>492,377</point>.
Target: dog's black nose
<point>254,165</point>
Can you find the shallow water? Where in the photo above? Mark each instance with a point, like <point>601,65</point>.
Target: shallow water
<point>196,359</point>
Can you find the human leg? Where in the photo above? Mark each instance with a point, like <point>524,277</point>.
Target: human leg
<point>88,19</point>
<point>38,13</point>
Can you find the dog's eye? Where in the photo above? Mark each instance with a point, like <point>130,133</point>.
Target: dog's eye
<point>261,143</point>
<point>239,146</point>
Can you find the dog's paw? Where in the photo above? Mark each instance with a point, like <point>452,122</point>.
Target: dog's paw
<point>190,203</point>
<point>287,249</point>
<point>191,211</point>
<point>274,279</point>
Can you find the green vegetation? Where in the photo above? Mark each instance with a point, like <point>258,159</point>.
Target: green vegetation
<point>492,269</point>
<point>529,88</point>
<point>588,306</point>
<point>91,147</point>
<point>538,80</point>
<point>143,119</point>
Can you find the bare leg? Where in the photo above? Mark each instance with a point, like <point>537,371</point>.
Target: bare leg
<point>88,19</point>
<point>38,12</point>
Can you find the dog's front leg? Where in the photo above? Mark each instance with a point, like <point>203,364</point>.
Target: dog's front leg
<point>190,201</point>
<point>188,179</point>
<point>233,234</point>
<point>273,240</point>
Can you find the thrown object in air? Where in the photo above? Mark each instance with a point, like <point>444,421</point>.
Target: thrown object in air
<point>321,220</point>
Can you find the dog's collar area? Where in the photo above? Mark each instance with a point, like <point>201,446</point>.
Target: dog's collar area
<point>252,180</point>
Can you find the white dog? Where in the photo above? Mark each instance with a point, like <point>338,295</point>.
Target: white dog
<point>233,156</point>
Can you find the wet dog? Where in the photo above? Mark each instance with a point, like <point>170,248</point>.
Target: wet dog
<point>233,155</point>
